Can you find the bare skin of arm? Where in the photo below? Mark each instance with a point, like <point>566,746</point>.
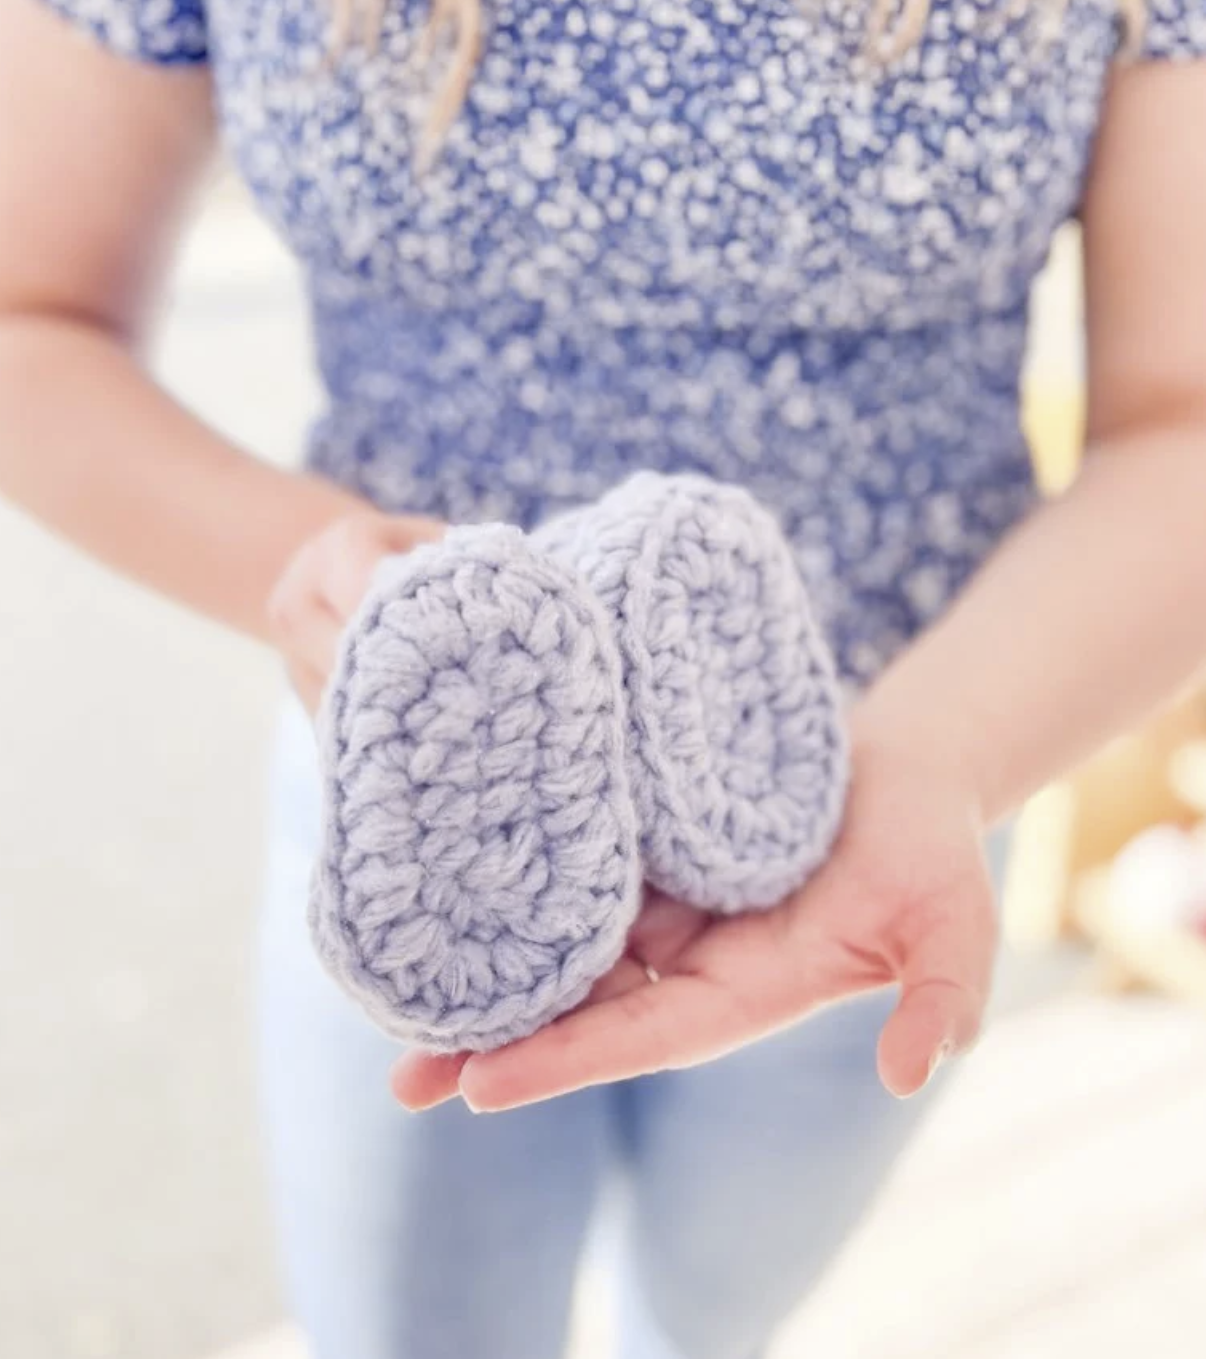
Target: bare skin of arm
<point>90,208</point>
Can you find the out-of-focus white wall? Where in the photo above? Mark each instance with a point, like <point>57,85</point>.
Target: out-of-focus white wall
<point>132,741</point>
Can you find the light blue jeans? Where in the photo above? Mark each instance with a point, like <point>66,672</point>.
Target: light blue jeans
<point>447,1235</point>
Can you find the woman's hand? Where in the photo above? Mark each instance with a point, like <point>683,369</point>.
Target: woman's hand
<point>324,582</point>
<point>905,898</point>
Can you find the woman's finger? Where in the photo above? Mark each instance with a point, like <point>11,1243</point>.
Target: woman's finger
<point>673,1022</point>
<point>353,553</point>
<point>629,974</point>
<point>663,930</point>
<point>356,548</point>
<point>420,1080</point>
<point>762,972</point>
<point>933,1021</point>
<point>307,683</point>
<point>309,639</point>
<point>944,988</point>
<point>304,626</point>
<point>317,641</point>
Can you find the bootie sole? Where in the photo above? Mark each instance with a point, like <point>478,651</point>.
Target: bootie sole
<point>479,868</point>
<point>738,754</point>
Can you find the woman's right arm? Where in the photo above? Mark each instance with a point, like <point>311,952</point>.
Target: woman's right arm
<point>99,158</point>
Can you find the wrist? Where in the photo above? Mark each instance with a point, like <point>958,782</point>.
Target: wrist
<point>270,514</point>
<point>939,741</point>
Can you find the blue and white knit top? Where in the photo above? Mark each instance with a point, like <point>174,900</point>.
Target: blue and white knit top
<point>678,234</point>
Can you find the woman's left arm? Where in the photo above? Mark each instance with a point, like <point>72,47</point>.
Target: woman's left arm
<point>1095,610</point>
<point>1088,616</point>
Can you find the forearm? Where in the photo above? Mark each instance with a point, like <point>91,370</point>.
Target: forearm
<point>94,449</point>
<point>1089,615</point>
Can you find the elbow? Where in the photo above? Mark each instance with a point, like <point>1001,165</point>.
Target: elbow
<point>37,342</point>
<point>1127,411</point>
<point>44,355</point>
<point>23,317</point>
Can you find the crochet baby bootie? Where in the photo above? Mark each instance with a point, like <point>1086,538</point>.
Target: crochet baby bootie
<point>479,864</point>
<point>737,753</point>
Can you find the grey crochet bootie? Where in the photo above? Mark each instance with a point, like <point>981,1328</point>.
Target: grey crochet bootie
<point>479,866</point>
<point>737,752</point>
<point>519,728</point>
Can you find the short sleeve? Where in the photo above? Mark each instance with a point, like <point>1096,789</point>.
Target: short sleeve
<point>168,32</point>
<point>1175,29</point>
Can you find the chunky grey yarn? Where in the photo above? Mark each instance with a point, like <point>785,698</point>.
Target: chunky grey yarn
<point>737,754</point>
<point>521,728</point>
<point>479,866</point>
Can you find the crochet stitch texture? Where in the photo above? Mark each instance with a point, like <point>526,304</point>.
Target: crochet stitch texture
<point>479,867</point>
<point>737,752</point>
<point>512,716</point>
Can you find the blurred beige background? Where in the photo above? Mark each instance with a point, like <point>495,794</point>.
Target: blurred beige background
<point>1057,1209</point>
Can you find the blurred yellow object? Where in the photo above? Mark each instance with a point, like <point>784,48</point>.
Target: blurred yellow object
<point>1070,834</point>
<point>1034,907</point>
<point>1128,786</point>
<point>1187,773</point>
<point>1053,396</point>
<point>1053,417</point>
<point>1077,826</point>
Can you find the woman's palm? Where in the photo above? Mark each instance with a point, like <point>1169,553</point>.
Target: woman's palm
<point>904,898</point>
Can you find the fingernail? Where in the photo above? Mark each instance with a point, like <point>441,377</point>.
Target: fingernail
<point>941,1053</point>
